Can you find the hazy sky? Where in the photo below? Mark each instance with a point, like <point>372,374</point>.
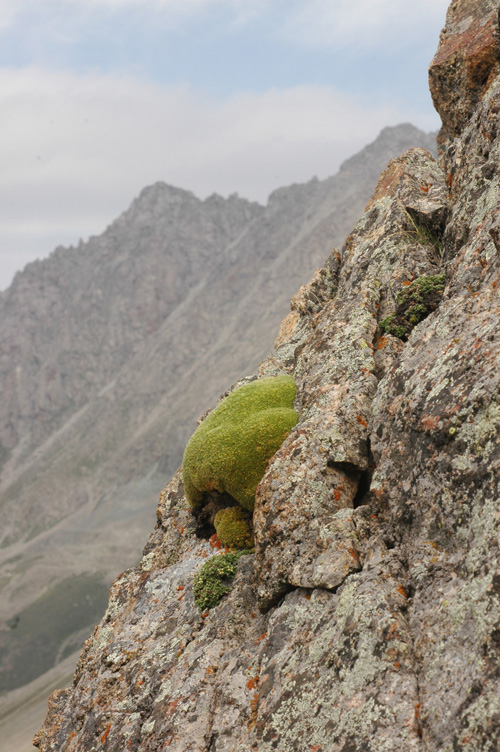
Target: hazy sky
<point>100,98</point>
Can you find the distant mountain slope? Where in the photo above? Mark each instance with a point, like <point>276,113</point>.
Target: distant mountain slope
<point>108,353</point>
<point>70,321</point>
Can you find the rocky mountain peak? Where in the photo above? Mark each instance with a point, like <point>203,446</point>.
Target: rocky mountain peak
<point>390,137</point>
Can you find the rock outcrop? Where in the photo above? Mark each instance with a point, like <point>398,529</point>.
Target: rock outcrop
<point>109,352</point>
<point>368,617</point>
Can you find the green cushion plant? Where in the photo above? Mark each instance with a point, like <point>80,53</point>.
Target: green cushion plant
<point>234,527</point>
<point>230,450</point>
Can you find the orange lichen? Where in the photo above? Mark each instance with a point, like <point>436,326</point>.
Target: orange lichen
<point>106,733</point>
<point>430,422</point>
<point>172,706</point>
<point>215,542</point>
<point>381,342</point>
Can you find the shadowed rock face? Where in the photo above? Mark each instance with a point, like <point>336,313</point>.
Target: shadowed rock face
<point>466,61</point>
<point>368,617</point>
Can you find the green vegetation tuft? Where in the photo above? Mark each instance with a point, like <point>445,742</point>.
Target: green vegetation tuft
<point>230,450</point>
<point>211,583</point>
<point>413,304</point>
<point>234,527</point>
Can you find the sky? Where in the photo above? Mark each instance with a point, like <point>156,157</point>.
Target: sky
<point>100,98</point>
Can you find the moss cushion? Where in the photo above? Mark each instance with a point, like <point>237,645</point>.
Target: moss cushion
<point>234,527</point>
<point>230,450</point>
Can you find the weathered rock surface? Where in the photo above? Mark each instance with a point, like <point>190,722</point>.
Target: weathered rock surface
<point>368,617</point>
<point>466,62</point>
<point>325,464</point>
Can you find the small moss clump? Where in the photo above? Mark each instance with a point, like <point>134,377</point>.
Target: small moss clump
<point>389,326</point>
<point>211,583</point>
<point>230,450</point>
<point>413,304</point>
<point>234,527</point>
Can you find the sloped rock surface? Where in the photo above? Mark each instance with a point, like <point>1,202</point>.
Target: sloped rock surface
<point>110,351</point>
<point>326,460</point>
<point>368,618</point>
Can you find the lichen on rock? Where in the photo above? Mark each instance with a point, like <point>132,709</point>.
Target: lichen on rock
<point>230,450</point>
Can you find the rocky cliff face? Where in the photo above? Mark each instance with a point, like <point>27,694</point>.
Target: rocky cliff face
<point>109,352</point>
<point>368,617</point>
